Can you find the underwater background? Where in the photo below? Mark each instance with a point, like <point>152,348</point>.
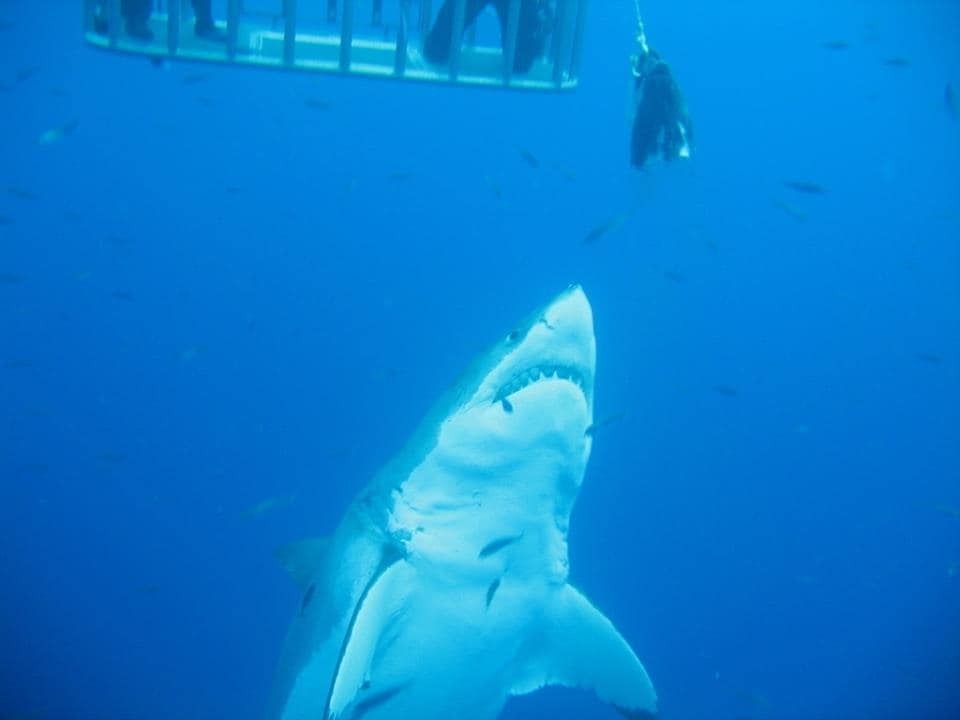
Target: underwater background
<point>227,296</point>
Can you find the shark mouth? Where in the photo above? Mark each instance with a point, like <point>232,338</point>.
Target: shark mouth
<point>535,374</point>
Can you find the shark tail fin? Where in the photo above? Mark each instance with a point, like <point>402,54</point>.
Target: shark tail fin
<point>303,559</point>
<point>577,646</point>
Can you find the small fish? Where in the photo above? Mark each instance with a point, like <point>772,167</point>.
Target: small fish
<point>806,187</point>
<point>375,700</point>
<point>896,62</point>
<point>265,506</point>
<point>494,186</point>
<point>190,354</point>
<point>791,210</point>
<point>835,44</point>
<point>57,134</point>
<point>492,590</point>
<point>949,510</point>
<point>950,101</point>
<point>674,277</point>
<point>124,295</point>
<point>604,422</point>
<point>112,458</point>
<point>929,358</point>
<point>10,278</point>
<point>24,74</point>
<point>318,104</point>
<point>21,193</point>
<point>194,78</point>
<point>529,158</point>
<point>495,546</point>
<point>726,390</point>
<point>17,364</point>
<point>606,227</point>
<point>308,598</point>
<point>34,469</point>
<point>117,240</point>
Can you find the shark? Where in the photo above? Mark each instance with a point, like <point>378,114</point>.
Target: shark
<point>444,591</point>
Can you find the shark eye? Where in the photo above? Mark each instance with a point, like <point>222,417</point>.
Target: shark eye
<point>513,336</point>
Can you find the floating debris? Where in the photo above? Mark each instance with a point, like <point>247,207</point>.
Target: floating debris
<point>835,44</point>
<point>10,278</point>
<point>950,101</point>
<point>57,134</point>
<point>805,187</point>
<point>529,158</point>
<point>674,277</point>
<point>606,227</point>
<point>726,390</point>
<point>896,62</point>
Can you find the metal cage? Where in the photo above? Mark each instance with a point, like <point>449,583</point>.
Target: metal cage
<point>370,38</point>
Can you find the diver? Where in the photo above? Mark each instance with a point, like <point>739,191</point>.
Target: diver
<point>536,22</point>
<point>661,124</point>
<point>136,18</point>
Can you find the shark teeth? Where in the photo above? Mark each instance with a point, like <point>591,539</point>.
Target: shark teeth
<point>535,374</point>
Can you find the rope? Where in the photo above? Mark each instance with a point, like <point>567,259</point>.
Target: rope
<point>641,35</point>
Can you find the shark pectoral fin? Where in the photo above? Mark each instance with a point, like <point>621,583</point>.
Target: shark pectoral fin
<point>373,628</point>
<point>303,559</point>
<point>580,647</point>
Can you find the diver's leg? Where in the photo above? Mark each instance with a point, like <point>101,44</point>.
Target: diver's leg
<point>136,16</point>
<point>203,25</point>
<point>532,31</point>
<point>436,46</point>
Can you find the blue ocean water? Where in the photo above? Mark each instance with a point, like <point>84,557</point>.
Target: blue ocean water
<point>228,296</point>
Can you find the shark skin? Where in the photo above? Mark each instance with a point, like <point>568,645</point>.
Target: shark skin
<point>444,590</point>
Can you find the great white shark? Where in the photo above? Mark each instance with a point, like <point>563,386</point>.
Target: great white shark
<point>444,591</point>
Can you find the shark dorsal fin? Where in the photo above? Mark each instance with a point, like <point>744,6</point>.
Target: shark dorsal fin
<point>303,558</point>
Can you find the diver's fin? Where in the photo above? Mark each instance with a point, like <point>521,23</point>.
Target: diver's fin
<point>579,647</point>
<point>303,558</point>
<point>381,607</point>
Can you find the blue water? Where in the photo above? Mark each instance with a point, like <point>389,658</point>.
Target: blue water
<point>216,293</point>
